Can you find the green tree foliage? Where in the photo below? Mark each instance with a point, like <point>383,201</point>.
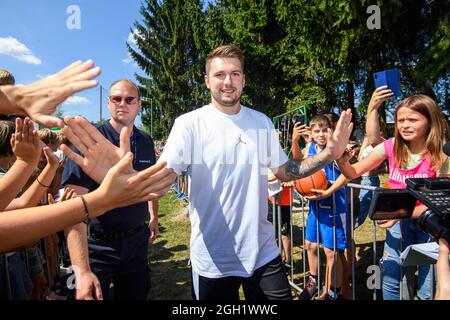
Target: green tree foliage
<point>168,50</point>
<point>318,53</point>
<point>329,47</point>
<point>252,25</point>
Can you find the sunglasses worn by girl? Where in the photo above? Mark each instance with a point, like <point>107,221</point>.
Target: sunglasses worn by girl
<point>118,99</point>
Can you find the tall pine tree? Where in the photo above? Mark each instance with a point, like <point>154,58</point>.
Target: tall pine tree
<point>252,26</point>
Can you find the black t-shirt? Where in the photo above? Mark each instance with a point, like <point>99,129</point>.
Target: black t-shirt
<point>125,218</point>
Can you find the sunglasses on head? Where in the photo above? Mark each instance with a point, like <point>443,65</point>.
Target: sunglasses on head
<point>118,99</point>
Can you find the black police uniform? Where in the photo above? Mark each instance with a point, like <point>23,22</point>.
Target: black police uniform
<point>118,240</point>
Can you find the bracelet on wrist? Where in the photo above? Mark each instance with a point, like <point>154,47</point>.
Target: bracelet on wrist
<point>37,179</point>
<point>86,210</point>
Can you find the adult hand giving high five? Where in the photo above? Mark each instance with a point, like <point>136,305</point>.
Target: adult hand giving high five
<point>39,99</point>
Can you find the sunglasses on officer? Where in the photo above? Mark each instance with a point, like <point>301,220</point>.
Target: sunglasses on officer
<point>118,99</point>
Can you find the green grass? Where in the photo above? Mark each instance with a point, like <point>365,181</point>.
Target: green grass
<point>169,255</point>
<point>363,248</point>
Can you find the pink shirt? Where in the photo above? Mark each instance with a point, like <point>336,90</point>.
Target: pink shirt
<point>397,175</point>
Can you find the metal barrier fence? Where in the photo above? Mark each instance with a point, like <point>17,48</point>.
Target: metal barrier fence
<point>351,253</point>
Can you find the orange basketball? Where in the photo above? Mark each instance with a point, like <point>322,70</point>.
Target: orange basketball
<point>318,180</point>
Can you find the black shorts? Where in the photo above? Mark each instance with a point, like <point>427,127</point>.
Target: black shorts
<point>285,219</point>
<point>267,283</point>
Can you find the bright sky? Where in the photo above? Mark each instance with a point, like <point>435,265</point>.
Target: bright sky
<point>35,41</point>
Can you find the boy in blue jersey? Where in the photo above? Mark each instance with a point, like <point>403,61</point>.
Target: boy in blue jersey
<point>327,220</point>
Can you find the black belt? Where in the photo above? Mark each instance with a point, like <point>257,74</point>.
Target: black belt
<point>113,235</point>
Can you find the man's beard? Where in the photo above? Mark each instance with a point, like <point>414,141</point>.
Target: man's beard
<point>229,102</point>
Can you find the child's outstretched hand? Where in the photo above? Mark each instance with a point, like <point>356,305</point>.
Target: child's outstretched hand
<point>52,159</point>
<point>124,186</point>
<point>25,142</point>
<point>346,156</point>
<point>68,193</point>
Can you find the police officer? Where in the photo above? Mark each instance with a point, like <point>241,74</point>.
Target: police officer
<point>115,250</point>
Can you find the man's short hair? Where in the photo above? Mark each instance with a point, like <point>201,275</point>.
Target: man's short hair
<point>320,120</point>
<point>130,83</point>
<point>6,78</point>
<point>226,51</point>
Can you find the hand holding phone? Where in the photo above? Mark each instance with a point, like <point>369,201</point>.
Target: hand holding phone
<point>380,95</point>
<point>297,119</point>
<point>301,130</point>
<point>390,78</point>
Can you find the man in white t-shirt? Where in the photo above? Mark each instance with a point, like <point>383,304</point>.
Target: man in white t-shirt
<point>227,149</point>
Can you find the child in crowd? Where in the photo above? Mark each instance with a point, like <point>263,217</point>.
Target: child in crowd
<point>327,221</point>
<point>415,151</point>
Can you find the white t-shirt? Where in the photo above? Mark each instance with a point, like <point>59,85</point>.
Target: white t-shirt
<point>61,156</point>
<point>227,158</point>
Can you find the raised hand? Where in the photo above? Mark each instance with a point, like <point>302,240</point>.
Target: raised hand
<point>338,140</point>
<point>40,99</point>
<point>346,156</point>
<point>380,95</point>
<point>52,159</point>
<point>68,193</point>
<point>25,142</point>
<point>124,186</point>
<point>98,153</point>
